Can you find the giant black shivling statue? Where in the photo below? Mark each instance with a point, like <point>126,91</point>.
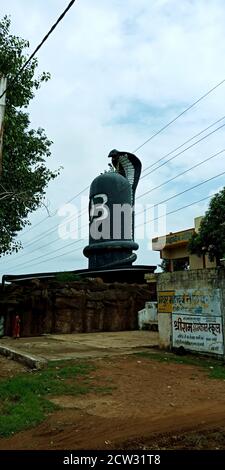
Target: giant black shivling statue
<point>111,213</point>
<point>111,226</point>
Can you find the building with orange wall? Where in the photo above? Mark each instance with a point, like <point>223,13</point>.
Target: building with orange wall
<point>174,248</point>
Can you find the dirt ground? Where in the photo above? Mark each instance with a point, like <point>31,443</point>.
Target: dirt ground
<point>10,368</point>
<point>151,405</point>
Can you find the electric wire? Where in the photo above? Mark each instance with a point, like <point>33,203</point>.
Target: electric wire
<point>59,256</point>
<point>142,224</point>
<point>152,189</point>
<point>54,251</point>
<point>51,230</point>
<point>38,47</point>
<point>176,210</point>
<point>183,192</point>
<point>141,212</point>
<point>55,212</point>
<point>145,169</point>
<point>71,3</point>
<point>182,173</point>
<point>57,239</point>
<point>155,218</point>
<point>184,143</point>
<point>183,151</point>
<point>179,115</point>
<point>78,194</point>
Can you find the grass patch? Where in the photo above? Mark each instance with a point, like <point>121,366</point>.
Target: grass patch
<point>24,398</point>
<point>215,369</point>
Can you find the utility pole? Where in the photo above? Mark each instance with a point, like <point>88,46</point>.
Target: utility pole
<point>3,84</point>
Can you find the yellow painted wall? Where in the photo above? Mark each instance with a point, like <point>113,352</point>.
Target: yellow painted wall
<point>198,223</point>
<point>196,262</point>
<point>175,252</point>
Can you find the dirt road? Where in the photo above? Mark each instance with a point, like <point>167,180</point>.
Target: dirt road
<point>150,405</point>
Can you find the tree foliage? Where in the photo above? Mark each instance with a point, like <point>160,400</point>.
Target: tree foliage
<point>25,175</point>
<point>211,236</point>
<point>179,264</point>
<point>165,265</point>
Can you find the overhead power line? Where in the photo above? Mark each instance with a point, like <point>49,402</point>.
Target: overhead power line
<point>48,217</point>
<point>51,230</point>
<point>154,205</point>
<point>21,255</point>
<point>182,173</point>
<point>64,254</point>
<point>46,244</point>
<point>57,239</point>
<point>162,158</point>
<point>58,256</point>
<point>54,251</point>
<point>147,192</point>
<point>176,210</point>
<point>39,46</point>
<point>141,212</point>
<point>183,192</point>
<point>174,150</point>
<point>156,218</point>
<point>183,151</point>
<point>179,115</point>
<point>78,194</point>
<point>87,187</point>
<point>182,145</point>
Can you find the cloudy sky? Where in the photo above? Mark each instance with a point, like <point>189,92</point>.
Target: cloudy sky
<point>121,70</point>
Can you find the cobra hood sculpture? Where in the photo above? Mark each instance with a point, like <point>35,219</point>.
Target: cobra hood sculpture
<point>127,165</point>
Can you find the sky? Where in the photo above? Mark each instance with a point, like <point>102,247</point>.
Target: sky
<point>120,71</point>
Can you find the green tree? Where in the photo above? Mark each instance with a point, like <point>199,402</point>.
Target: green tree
<point>25,175</point>
<point>179,264</point>
<point>165,265</point>
<point>211,236</point>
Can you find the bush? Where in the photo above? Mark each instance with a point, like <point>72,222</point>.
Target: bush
<point>67,277</point>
